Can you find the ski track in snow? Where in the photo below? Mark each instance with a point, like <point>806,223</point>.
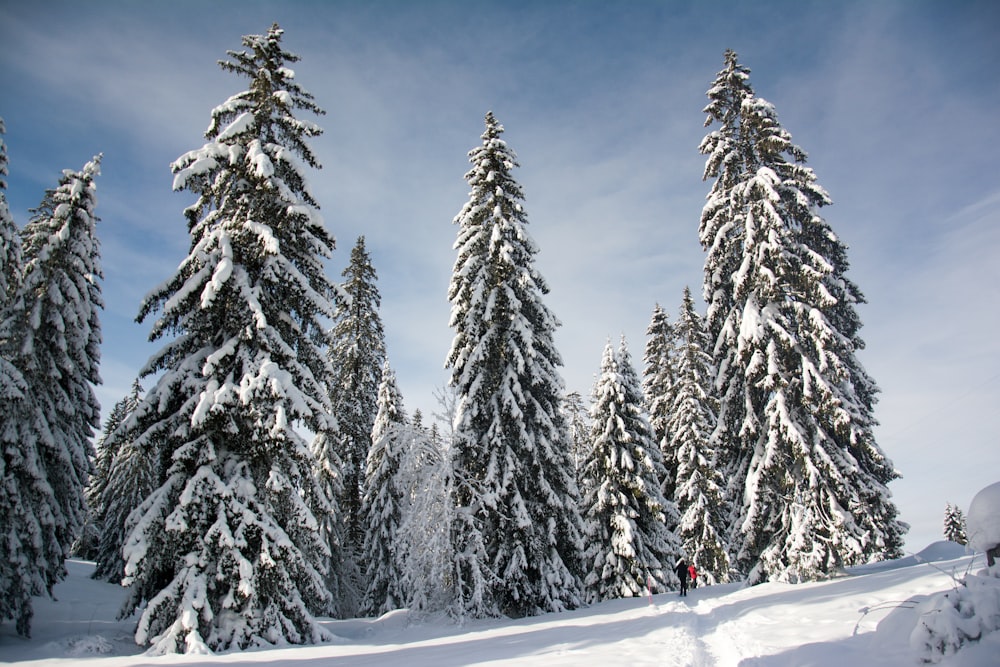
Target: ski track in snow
<point>666,632</point>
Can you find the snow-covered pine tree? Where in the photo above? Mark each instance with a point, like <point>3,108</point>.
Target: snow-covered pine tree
<point>88,541</point>
<point>700,485</point>
<point>516,526</point>
<point>226,552</point>
<point>328,472</point>
<point>954,524</point>
<point>577,416</point>
<point>384,502</point>
<point>874,508</point>
<point>10,239</point>
<point>135,474</point>
<point>658,384</point>
<point>795,424</point>
<point>357,353</point>
<point>125,476</point>
<point>626,517</point>
<point>12,388</point>
<point>720,234</point>
<point>50,339</point>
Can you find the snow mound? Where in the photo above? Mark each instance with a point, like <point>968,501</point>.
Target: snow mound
<point>90,645</point>
<point>935,552</point>
<point>943,550</point>
<point>366,628</point>
<point>77,646</point>
<point>982,523</point>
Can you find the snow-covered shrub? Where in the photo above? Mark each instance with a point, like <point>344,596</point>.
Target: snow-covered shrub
<point>89,646</point>
<point>972,610</point>
<point>957,617</point>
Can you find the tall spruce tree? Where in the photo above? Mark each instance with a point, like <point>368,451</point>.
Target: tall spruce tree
<point>626,517</point>
<point>795,414</point>
<point>700,485</point>
<point>721,238</point>
<point>226,552</point>
<point>384,501</point>
<point>357,353</point>
<point>516,525</point>
<point>50,340</point>
<point>659,387</point>
<point>10,240</point>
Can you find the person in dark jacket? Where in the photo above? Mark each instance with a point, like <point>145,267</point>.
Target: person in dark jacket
<point>681,569</point>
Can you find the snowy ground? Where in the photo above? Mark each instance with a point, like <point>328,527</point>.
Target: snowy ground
<point>771,625</point>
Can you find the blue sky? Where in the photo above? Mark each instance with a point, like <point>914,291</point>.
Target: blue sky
<point>895,102</point>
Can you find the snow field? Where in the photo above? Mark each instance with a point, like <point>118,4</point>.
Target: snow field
<point>819,624</point>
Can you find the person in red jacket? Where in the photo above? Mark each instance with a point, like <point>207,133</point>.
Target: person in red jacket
<point>681,570</point>
<point>693,573</point>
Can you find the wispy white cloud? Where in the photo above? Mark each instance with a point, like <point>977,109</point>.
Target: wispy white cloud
<point>936,355</point>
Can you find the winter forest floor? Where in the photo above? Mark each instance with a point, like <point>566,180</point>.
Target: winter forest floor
<point>772,625</point>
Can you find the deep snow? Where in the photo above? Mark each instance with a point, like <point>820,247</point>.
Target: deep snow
<point>821,624</point>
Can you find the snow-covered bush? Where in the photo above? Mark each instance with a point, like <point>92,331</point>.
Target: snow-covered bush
<point>953,619</point>
<point>972,610</point>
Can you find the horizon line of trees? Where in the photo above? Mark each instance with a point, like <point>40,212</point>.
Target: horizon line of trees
<point>271,473</point>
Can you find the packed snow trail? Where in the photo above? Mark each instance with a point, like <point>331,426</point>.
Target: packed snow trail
<point>662,635</point>
<point>627,632</point>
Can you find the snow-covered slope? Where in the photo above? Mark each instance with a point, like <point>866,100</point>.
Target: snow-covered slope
<point>863,619</point>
